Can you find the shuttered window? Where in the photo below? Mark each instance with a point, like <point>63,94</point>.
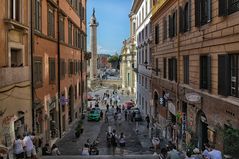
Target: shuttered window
<point>227,7</point>
<point>173,24</point>
<point>157,66</point>
<point>37,71</point>
<point>205,72</point>
<point>62,29</point>
<point>52,70</point>
<point>234,75</point>
<point>69,33</point>
<point>172,69</point>
<point>185,17</point>
<point>203,12</point>
<point>63,68</point>
<point>51,22</point>
<point>164,68</point>
<point>38,15</point>
<point>165,28</point>
<point>224,75</point>
<point>156,32</point>
<point>186,69</point>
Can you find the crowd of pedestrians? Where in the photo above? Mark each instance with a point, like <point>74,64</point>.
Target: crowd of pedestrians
<point>29,146</point>
<point>170,152</point>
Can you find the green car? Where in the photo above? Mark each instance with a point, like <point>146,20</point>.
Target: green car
<point>94,115</point>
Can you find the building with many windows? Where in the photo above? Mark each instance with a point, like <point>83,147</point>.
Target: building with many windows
<point>15,79</point>
<point>141,10</point>
<point>59,68</point>
<point>195,50</point>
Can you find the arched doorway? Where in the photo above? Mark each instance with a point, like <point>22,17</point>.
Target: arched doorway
<point>201,132</point>
<point>71,104</point>
<point>156,99</point>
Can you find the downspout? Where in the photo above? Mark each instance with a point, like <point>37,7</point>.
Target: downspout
<point>59,68</point>
<point>178,67</point>
<point>31,56</point>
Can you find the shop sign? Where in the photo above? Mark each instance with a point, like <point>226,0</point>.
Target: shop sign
<point>171,108</point>
<point>184,123</point>
<point>64,100</point>
<point>193,97</point>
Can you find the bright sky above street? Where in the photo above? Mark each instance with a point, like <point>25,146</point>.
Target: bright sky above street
<point>113,19</point>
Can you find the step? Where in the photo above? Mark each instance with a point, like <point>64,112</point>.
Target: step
<point>103,157</point>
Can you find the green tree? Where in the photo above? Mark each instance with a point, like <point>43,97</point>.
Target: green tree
<point>231,141</point>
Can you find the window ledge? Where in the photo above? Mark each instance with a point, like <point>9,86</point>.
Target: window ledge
<point>15,24</point>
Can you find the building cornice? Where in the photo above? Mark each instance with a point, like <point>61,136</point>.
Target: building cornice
<point>136,5</point>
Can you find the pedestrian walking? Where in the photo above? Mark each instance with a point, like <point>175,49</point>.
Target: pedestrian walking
<point>147,120</point>
<point>205,153</point>
<point>122,140</point>
<point>46,150</point>
<point>173,153</point>
<point>215,154</point>
<point>55,151</point>
<point>28,146</point>
<point>18,148</point>
<point>125,114</point>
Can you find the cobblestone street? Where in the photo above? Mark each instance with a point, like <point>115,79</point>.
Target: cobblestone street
<point>135,144</point>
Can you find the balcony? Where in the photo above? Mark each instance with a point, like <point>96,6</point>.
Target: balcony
<point>11,75</point>
<point>158,4</point>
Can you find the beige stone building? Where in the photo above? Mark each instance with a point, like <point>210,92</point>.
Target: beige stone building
<point>127,74</point>
<point>195,85</point>
<point>15,79</point>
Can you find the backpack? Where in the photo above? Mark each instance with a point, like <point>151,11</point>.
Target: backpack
<point>113,140</point>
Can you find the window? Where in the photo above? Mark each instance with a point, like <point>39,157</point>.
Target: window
<point>79,39</point>
<point>16,57</point>
<point>146,83</point>
<point>76,67</point>
<point>82,13</point>
<point>142,80</point>
<point>227,7</point>
<point>186,69</point>
<point>69,33</point>
<point>62,30</point>
<point>79,66</point>
<point>37,71</point>
<point>128,79</point>
<point>164,68</point>
<point>79,86</point>
<point>205,72</point>
<point>156,31</point>
<point>173,24</point>
<point>50,22</point>
<point>76,92</point>
<point>165,28</point>
<point>172,69</point>
<point>157,66</point>
<point>70,67</point>
<point>142,54</point>
<point>63,68</point>
<point>52,70</point>
<point>79,10</point>
<point>75,35</point>
<point>38,14</point>
<point>15,10</point>
<point>139,79</point>
<point>203,13</point>
<point>146,54</point>
<point>185,17</point>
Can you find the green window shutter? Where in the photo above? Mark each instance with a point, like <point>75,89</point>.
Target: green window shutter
<point>223,75</point>
<point>209,80</point>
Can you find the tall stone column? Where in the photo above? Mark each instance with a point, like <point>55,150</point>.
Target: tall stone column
<point>93,46</point>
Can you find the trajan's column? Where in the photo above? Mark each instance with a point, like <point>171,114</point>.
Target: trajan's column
<point>93,46</point>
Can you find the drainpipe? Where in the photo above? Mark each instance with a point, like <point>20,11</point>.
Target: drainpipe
<point>178,68</point>
<point>59,68</point>
<point>31,56</point>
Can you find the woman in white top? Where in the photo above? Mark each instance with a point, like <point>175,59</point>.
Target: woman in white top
<point>18,148</point>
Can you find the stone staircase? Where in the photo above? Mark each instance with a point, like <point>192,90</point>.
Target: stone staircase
<point>103,157</point>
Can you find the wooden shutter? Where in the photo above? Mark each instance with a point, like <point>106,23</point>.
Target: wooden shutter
<point>223,75</point>
<point>40,72</point>
<point>181,20</point>
<point>201,72</point>
<point>197,13</point>
<point>209,10</point>
<point>175,69</point>
<point>209,82</point>
<point>189,14</point>
<point>170,20</point>
<point>222,7</point>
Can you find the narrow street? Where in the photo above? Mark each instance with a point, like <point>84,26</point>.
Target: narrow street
<point>135,144</point>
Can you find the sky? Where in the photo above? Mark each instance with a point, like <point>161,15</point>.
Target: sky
<point>113,28</point>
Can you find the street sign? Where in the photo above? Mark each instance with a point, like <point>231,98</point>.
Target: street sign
<point>64,100</point>
<point>161,100</point>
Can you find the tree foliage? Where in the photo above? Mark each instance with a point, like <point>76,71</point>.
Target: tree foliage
<point>113,58</point>
<point>231,140</point>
